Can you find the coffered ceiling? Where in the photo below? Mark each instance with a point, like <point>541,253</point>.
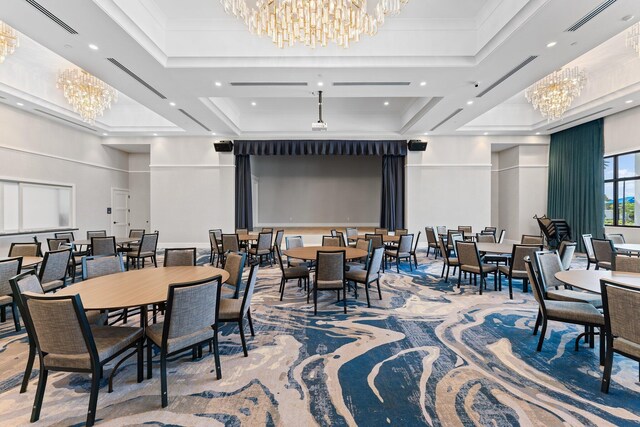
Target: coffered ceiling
<point>440,67</point>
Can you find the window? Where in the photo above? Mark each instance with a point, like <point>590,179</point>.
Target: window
<point>30,206</point>
<point>621,190</point>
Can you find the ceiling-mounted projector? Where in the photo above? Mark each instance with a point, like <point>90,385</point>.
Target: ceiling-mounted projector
<point>319,126</point>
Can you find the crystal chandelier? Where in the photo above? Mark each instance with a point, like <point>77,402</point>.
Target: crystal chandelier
<point>312,22</point>
<point>553,95</point>
<point>88,95</point>
<point>8,41</point>
<point>633,38</point>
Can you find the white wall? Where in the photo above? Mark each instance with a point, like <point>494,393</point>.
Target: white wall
<point>318,190</point>
<point>620,136</point>
<point>35,148</point>
<point>140,190</point>
<point>192,190</point>
<point>449,183</point>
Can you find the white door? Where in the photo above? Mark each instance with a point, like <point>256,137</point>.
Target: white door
<point>119,212</point>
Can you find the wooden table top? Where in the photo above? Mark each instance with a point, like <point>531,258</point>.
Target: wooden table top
<point>589,280</point>
<point>136,288</point>
<point>119,241</point>
<point>27,261</point>
<point>247,237</point>
<point>495,248</point>
<point>309,253</point>
<point>631,247</point>
<point>387,238</point>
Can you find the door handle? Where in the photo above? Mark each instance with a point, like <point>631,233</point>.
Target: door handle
<point>114,222</point>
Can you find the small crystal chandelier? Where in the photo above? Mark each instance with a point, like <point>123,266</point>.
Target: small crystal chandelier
<point>633,37</point>
<point>8,41</point>
<point>88,95</point>
<point>312,22</point>
<point>553,95</point>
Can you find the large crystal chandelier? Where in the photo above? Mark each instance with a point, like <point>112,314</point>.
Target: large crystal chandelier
<point>633,37</point>
<point>88,95</point>
<point>553,95</point>
<point>8,41</point>
<point>312,22</point>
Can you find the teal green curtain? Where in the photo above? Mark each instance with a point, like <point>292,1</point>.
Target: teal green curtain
<point>576,179</point>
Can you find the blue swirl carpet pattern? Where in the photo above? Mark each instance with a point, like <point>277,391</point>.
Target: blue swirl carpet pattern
<point>427,354</point>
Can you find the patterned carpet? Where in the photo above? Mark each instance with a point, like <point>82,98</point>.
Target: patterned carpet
<point>427,354</point>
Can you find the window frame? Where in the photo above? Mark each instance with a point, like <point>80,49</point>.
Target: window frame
<point>33,182</point>
<point>615,181</point>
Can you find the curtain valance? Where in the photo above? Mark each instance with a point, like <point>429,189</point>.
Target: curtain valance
<point>319,147</point>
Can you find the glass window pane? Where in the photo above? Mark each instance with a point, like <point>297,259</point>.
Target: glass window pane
<point>608,203</point>
<point>9,207</point>
<point>608,168</point>
<point>629,165</point>
<point>627,202</point>
<point>45,207</point>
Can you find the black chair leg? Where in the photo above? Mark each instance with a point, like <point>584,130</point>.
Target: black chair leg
<point>253,334</point>
<point>140,362</point>
<point>3,313</point>
<point>345,297</point>
<point>149,359</point>
<point>542,333</point>
<point>93,398</point>
<point>538,320</point>
<point>315,301</point>
<point>163,379</point>
<point>608,364</point>
<point>242,338</point>
<point>16,316</point>
<point>42,384</point>
<point>29,368</point>
<point>510,288</point>
<point>216,353</point>
<point>443,267</point>
<point>366,290</point>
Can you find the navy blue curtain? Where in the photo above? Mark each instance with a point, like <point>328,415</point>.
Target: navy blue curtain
<point>244,206</point>
<point>392,203</point>
<point>576,179</point>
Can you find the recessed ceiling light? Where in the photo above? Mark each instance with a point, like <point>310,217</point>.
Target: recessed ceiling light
<point>213,133</point>
<point>386,103</point>
<point>552,44</point>
<point>627,18</point>
<point>486,133</point>
<point>93,47</point>
<point>105,134</point>
<point>537,133</point>
<point>155,134</point>
<point>469,102</point>
<point>320,83</point>
<point>253,103</point>
<point>218,84</point>
<point>628,101</point>
<point>173,104</point>
<point>426,133</point>
<point>423,83</point>
<point>19,104</point>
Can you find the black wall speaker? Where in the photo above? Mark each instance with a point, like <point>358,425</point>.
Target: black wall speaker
<point>223,146</point>
<point>415,145</point>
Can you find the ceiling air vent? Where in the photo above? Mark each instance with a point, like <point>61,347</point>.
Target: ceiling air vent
<point>371,83</point>
<point>64,120</point>
<point>449,117</point>
<point>267,84</point>
<point>51,16</point>
<point>135,77</point>
<point>581,118</point>
<point>194,119</point>
<point>589,16</point>
<point>506,76</point>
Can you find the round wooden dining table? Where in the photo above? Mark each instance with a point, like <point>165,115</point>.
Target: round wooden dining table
<point>137,288</point>
<point>495,248</point>
<point>310,253</point>
<point>627,247</point>
<point>28,261</point>
<point>247,237</point>
<point>386,238</point>
<point>589,280</point>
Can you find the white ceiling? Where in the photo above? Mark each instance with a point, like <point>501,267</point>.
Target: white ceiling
<point>181,49</point>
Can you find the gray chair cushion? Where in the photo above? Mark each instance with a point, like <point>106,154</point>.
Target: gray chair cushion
<point>360,276</point>
<point>54,284</point>
<point>574,296</point>
<point>154,333</point>
<point>626,346</point>
<point>574,311</point>
<point>354,266</point>
<point>394,253</point>
<point>5,300</point>
<point>330,284</point>
<point>296,272</point>
<point>516,274</point>
<point>486,268</point>
<point>109,340</point>
<point>95,317</point>
<point>605,265</point>
<point>230,309</point>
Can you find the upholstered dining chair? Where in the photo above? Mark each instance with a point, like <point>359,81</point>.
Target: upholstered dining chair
<point>53,271</point>
<point>96,233</point>
<point>470,262</point>
<point>515,269</point>
<point>230,243</point>
<point>400,232</point>
<point>57,244</point>
<point>351,233</point>
<point>134,233</point>
<point>382,231</point>
<point>577,313</point>
<point>217,246</point>
<point>503,233</point>
<point>343,240</point>
<point>403,251</point>
<point>616,238</point>
<point>103,246</point>
<point>603,251</point>
<point>293,242</point>
<point>490,230</point>
<point>628,264</point>
<point>588,247</point>
<point>376,240</point>
<point>9,268</point>
<point>299,273</point>
<point>414,250</point>
<point>28,282</point>
<point>432,241</point>
<point>235,310</point>
<point>530,239</point>
<point>485,238</point>
<point>450,238</point>
<point>566,251</point>
<point>277,241</point>
<point>441,229</point>
<point>234,265</point>
<point>467,232</point>
<point>331,241</point>
<point>449,261</point>
<point>179,257</point>
<point>67,343</point>
<point>191,320</point>
<point>213,246</point>
<point>263,249</point>
<point>369,275</point>
<point>147,249</point>
<point>362,263</point>
<point>101,265</point>
<point>78,252</point>
<point>266,230</point>
<point>24,249</point>
<point>621,306</point>
<point>330,276</point>
<point>242,231</point>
